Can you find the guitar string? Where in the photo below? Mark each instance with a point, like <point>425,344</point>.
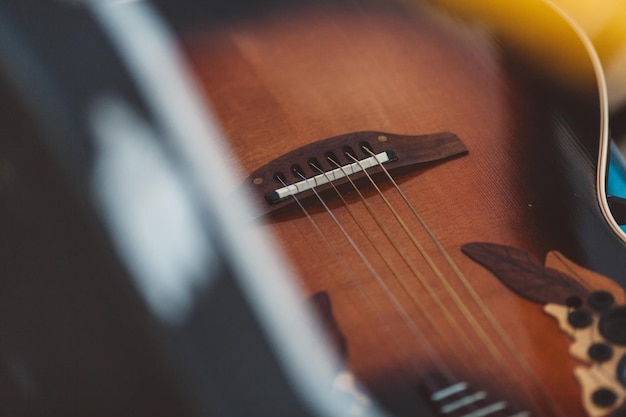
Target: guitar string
<point>397,305</point>
<point>483,336</point>
<point>386,261</point>
<point>390,294</point>
<point>415,213</point>
<point>468,343</point>
<point>437,361</point>
<point>457,300</point>
<point>451,320</point>
<point>474,295</point>
<point>351,274</point>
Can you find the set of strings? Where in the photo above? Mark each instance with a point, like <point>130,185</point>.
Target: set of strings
<point>423,341</point>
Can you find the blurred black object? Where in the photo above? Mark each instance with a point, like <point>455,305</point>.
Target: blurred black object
<point>76,336</point>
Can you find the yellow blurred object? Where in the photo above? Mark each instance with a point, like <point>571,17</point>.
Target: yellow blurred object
<point>605,24</point>
<point>602,21</point>
<point>544,35</point>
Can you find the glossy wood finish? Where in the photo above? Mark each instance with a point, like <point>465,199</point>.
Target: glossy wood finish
<point>285,79</point>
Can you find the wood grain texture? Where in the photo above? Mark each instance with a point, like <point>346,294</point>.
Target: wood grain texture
<point>281,80</point>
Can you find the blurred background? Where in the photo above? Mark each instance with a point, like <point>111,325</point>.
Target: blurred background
<point>603,23</point>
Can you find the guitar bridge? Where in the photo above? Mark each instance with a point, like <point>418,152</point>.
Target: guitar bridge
<point>316,165</point>
<point>330,176</point>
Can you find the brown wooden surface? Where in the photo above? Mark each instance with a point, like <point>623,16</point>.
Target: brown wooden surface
<point>278,81</point>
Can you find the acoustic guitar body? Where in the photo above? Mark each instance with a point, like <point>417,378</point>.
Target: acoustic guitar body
<point>409,311</point>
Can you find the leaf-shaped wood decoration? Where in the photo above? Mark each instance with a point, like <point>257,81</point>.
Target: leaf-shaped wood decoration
<point>524,275</point>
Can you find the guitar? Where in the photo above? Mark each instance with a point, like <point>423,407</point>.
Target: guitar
<point>460,256</point>
<point>417,172</point>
